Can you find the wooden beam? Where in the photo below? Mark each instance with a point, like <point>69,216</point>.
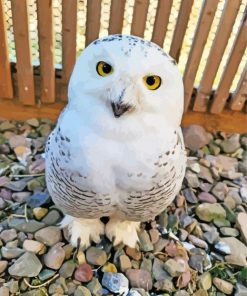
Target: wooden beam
<point>199,40</point>
<point>69,23</point>
<point>221,38</point>
<point>93,20</point>
<point>139,17</point>
<point>46,49</point>
<point>116,16</point>
<point>23,55</point>
<point>6,88</point>
<point>161,21</point>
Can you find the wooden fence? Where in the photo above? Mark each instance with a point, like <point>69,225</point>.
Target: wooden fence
<point>27,91</point>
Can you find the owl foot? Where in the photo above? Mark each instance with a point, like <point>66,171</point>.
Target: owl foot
<point>122,232</point>
<point>83,230</point>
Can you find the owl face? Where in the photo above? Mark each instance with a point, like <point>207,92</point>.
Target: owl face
<point>124,78</point>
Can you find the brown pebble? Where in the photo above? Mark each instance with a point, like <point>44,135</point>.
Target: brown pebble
<point>55,256</point>
<point>3,266</point>
<point>139,278</point>
<point>84,273</point>
<point>133,253</point>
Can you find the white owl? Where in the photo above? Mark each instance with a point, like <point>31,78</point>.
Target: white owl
<point>117,149</point>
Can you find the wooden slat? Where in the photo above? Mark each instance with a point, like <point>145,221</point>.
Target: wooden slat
<point>139,17</point>
<point>228,121</point>
<point>69,23</point>
<point>23,56</point>
<point>240,95</point>
<point>6,89</point>
<point>161,21</point>
<point>199,40</point>
<point>46,44</point>
<point>216,52</point>
<point>231,68</point>
<point>93,20</point>
<point>116,16</point>
<point>180,29</point>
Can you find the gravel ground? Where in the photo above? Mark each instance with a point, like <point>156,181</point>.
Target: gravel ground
<point>198,246</point>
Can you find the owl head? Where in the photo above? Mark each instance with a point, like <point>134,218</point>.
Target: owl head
<point>125,79</point>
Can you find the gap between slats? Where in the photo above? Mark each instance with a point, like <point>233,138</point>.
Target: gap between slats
<point>23,56</point>
<point>6,88</point>
<point>46,50</point>
<point>238,49</point>
<point>216,53</point>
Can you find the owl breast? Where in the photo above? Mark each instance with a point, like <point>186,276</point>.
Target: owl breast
<point>128,183</point>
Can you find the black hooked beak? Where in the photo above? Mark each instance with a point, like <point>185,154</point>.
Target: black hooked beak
<point>119,109</point>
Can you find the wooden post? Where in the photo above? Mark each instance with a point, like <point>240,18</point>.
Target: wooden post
<point>23,56</point>
<point>116,16</point>
<point>93,20</point>
<point>46,44</point>
<point>139,17</point>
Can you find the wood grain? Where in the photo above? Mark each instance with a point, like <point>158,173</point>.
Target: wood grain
<point>139,17</point>
<point>93,20</point>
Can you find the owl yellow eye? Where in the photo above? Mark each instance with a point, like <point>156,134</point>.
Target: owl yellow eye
<point>152,82</point>
<point>104,69</point>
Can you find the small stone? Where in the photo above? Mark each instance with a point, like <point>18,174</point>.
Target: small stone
<point>8,235</point>
<point>154,235</point>
<point>67,269</point>
<point>49,235</point>
<point>109,267</point>
<point>220,190</point>
<point>38,199</point>
<point>28,265</point>
<point>39,212</point>
<point>81,258</point>
<point>115,282</point>
<point>95,287</point>
<point>192,179</point>
<point>55,257</point>
<point>16,185</point>
<point>21,196</point>
<point>11,253</point>
<point>33,122</point>
<point>96,256</point>
<point>230,202</point>
<point>173,267</point>
<point>205,281</point>
<point>46,274</point>
<point>13,287</point>
<point>201,292</point>
<point>221,223</point>
<point>241,224</point>
<point>82,291</point>
<point>24,226</point>
<point>68,251</point>
<point>237,258</point>
<point>223,247</point>
<point>211,236</point>
<point>34,246</point>
<point>228,231</point>
<point>145,243</point>
<point>158,271</point>
<point>139,279</point>
<point>208,212</point>
<point>124,262</point>
<point>196,262</point>
<point>223,286</point>
<point>230,215</point>
<point>243,193</point>
<point>190,196</point>
<point>3,203</point>
<point>195,137</point>
<point>206,197</point>
<point>83,273</point>
<point>4,291</point>
<point>240,290</point>
<point>231,144</point>
<point>181,293</point>
<point>197,242</point>
<point>3,266</point>
<point>205,174</point>
<point>52,218</point>
<point>165,285</point>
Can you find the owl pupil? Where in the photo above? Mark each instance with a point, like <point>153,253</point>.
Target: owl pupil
<point>106,68</point>
<point>150,80</point>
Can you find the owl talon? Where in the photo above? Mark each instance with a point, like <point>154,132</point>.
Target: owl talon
<point>122,232</point>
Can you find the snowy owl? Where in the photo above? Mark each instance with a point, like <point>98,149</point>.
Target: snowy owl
<point>117,150</point>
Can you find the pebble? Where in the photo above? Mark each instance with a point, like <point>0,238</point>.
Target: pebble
<point>115,282</point>
<point>96,256</point>
<point>22,225</point>
<point>165,285</point>
<point>195,137</point>
<point>55,256</point>
<point>109,267</point>
<point>46,274</point>
<point>4,291</point>
<point>124,262</point>
<point>28,265</point>
<point>223,285</point>
<point>158,271</point>
<point>173,267</point>
<point>67,269</point>
<point>3,265</point>
<point>145,242</point>
<point>196,262</point>
<point>83,273</point>
<point>39,212</point>
<point>241,224</point>
<point>220,190</point>
<point>228,231</point>
<point>49,235</point>
<point>21,196</point>
<point>82,291</point>
<point>197,242</point>
<point>52,218</point>
<point>8,235</point>
<point>11,253</point>
<point>34,246</point>
<point>190,196</point>
<point>236,258</point>
<point>205,281</point>
<point>140,278</point>
<point>208,212</point>
<point>95,287</point>
<point>38,199</point>
<point>240,290</point>
<point>206,197</point>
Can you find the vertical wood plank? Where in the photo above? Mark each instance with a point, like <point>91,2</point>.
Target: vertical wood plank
<point>199,40</point>
<point>161,21</point>
<point>231,67</point>
<point>46,44</point>
<point>216,52</point>
<point>116,16</point>
<point>180,29</point>
<point>69,23</point>
<point>23,56</point>
<point>139,17</point>
<point>240,95</point>
<point>6,88</point>
<point>93,20</point>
